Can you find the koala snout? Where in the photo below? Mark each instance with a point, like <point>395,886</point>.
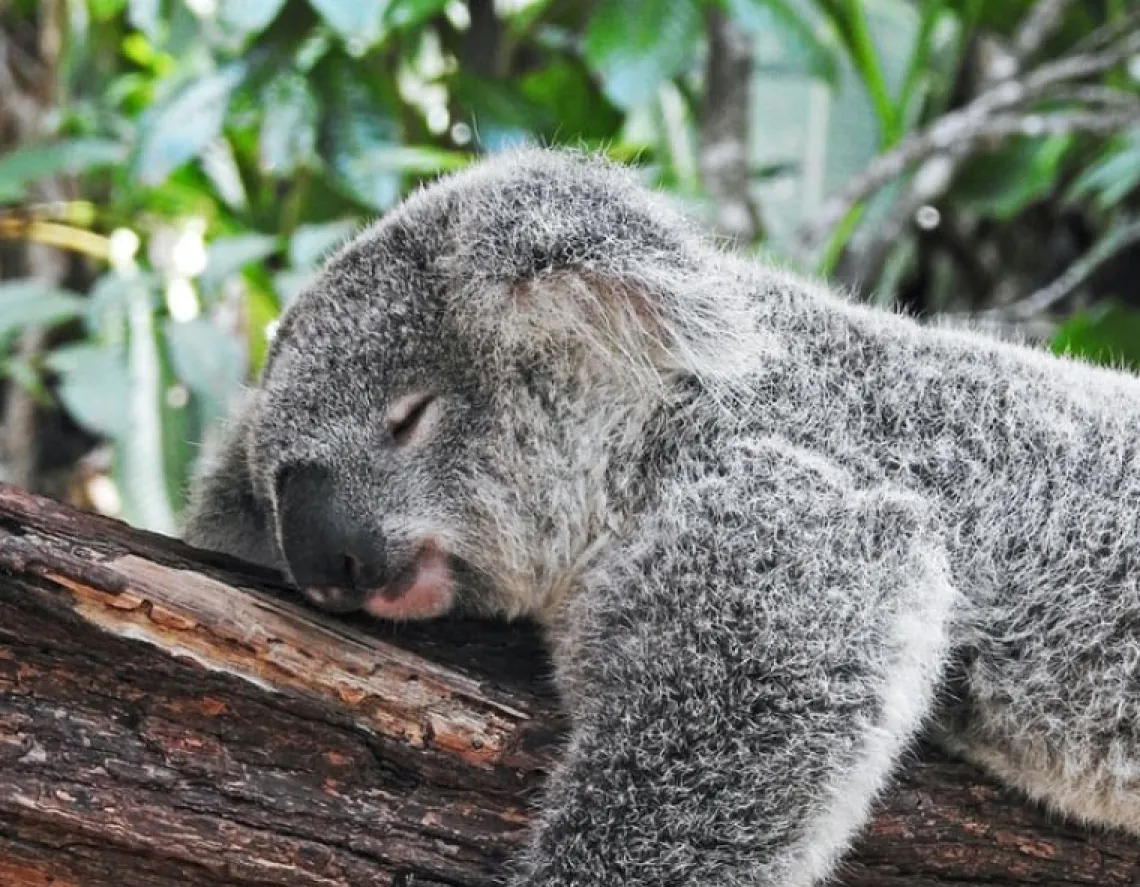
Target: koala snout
<point>335,558</point>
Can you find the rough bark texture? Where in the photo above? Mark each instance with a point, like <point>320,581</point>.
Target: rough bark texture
<point>166,719</point>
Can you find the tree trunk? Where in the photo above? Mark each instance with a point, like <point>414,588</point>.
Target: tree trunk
<point>168,717</point>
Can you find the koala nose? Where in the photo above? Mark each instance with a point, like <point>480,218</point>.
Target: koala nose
<point>334,557</point>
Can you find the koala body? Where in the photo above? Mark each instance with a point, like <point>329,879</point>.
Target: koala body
<point>771,534</point>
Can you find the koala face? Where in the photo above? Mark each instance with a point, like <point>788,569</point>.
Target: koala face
<point>433,427</point>
<point>409,465</point>
<point>366,434</point>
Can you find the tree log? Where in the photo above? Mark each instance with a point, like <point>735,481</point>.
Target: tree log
<point>171,717</point>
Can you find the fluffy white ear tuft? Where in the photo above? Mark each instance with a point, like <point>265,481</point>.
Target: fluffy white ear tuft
<point>548,251</point>
<point>697,324</point>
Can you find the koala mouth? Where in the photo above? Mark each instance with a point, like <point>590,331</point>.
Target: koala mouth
<point>424,590</point>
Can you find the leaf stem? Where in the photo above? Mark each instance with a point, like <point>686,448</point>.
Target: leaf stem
<point>866,60</point>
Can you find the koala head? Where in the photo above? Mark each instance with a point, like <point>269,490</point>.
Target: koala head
<point>434,426</point>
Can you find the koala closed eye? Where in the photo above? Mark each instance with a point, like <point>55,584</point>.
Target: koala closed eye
<point>410,418</point>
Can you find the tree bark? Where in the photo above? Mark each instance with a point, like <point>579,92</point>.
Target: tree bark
<point>169,717</point>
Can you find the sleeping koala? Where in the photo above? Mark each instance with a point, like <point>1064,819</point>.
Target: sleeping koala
<point>764,528</point>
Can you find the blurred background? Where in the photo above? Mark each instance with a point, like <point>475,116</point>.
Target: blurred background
<point>172,171</point>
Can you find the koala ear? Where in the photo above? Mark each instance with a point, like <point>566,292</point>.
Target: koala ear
<point>610,318</point>
<point>560,251</point>
<point>224,513</point>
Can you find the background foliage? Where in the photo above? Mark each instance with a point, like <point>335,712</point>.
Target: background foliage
<point>172,171</point>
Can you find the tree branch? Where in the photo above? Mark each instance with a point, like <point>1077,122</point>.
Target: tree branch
<point>998,113</point>
<point>168,717</point>
<point>1120,238</point>
<point>725,118</point>
<point>1037,27</point>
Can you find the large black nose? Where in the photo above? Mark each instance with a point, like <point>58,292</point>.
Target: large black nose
<point>329,546</point>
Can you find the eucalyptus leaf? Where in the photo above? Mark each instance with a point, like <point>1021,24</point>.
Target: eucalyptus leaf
<point>248,17</point>
<point>289,125</point>
<point>146,465</point>
<point>421,160</point>
<point>32,163</point>
<point>146,16</point>
<point>101,10</point>
<point>567,101</point>
<point>359,23</point>
<point>290,284</point>
<point>94,388</point>
<point>637,44</point>
<point>359,136</point>
<point>221,168</point>
<point>1112,176</point>
<point>784,22</point>
<point>312,243</point>
<point>106,309</point>
<point>1107,333</point>
<point>407,14</point>
<point>23,373</point>
<point>207,360</point>
<point>29,302</point>
<point>1002,184</point>
<point>502,114</point>
<point>262,309</point>
<point>177,130</point>
<point>226,256</point>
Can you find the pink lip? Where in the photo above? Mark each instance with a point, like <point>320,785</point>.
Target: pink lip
<point>429,594</point>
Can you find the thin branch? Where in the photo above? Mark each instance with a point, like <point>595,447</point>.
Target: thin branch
<point>1076,67</point>
<point>1080,272</point>
<point>1095,94</point>
<point>960,132</point>
<point>1037,27</point>
<point>726,112</point>
<point>1109,32</point>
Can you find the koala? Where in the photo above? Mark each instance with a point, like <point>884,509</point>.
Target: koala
<point>771,534</point>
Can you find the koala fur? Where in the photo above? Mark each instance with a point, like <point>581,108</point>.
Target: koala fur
<point>771,534</point>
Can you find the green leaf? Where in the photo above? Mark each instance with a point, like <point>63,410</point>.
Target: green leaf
<point>94,387</point>
<point>175,131</point>
<point>795,33</point>
<point>1000,185</point>
<point>934,17</point>
<point>310,244</point>
<point>220,166</point>
<point>359,23</point>
<point>289,126</point>
<point>25,166</point>
<point>149,458</point>
<point>290,284</point>
<point>29,302</point>
<point>102,10</point>
<point>359,136</point>
<point>226,256</point>
<point>248,17</point>
<point>570,102</point>
<point>1112,177</point>
<point>261,309</point>
<point>502,115</point>
<point>1108,333</point>
<point>408,14</point>
<point>637,44</point>
<point>421,160</point>
<point>23,373</point>
<point>855,31</point>
<point>207,360</point>
<point>146,16</point>
<point>106,310</point>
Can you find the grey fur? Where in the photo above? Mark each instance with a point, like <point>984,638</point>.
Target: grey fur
<point>771,533</point>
